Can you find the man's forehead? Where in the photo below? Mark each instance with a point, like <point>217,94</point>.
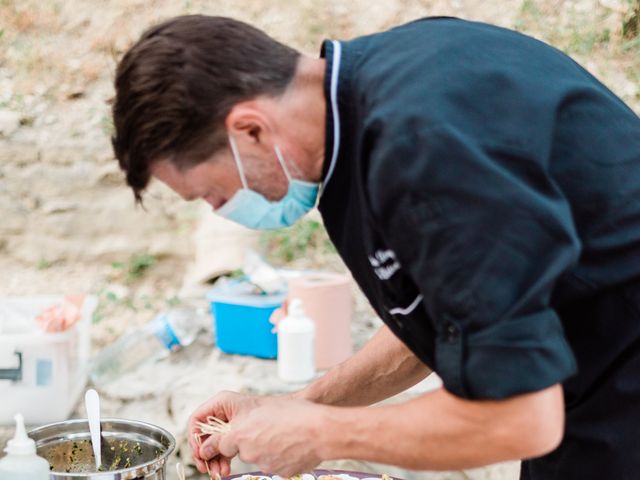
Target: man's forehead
<point>167,172</point>
<point>164,166</point>
<point>191,182</point>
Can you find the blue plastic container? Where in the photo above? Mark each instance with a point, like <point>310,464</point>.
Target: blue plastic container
<point>241,320</point>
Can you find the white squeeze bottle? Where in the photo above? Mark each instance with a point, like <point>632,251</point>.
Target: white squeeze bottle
<point>21,462</point>
<point>296,345</point>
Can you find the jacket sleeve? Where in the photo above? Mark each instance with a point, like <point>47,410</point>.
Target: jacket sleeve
<point>485,233</point>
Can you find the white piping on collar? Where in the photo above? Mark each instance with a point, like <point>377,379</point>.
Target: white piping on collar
<point>409,309</point>
<point>335,68</point>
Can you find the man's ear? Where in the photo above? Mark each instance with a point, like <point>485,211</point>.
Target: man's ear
<point>247,122</point>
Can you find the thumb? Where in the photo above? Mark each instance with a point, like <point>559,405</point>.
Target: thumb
<point>209,447</point>
<point>227,446</point>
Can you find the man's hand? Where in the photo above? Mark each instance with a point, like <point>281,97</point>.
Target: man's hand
<point>280,436</point>
<point>226,406</point>
<point>382,368</point>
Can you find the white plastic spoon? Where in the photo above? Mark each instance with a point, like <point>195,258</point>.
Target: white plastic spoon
<point>180,470</point>
<point>92,404</point>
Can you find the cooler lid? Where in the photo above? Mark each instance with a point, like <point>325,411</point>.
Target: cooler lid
<point>241,292</point>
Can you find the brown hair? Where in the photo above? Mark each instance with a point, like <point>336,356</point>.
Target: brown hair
<point>176,85</point>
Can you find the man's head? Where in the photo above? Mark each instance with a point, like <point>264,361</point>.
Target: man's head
<point>175,90</point>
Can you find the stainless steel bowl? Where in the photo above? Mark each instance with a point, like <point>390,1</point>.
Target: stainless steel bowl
<point>131,450</point>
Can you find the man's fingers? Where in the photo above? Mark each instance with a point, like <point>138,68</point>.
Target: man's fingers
<point>221,465</point>
<point>227,446</point>
<point>210,448</point>
<point>218,406</point>
<point>200,465</point>
<point>192,439</point>
<point>214,466</point>
<point>225,466</point>
<point>193,431</point>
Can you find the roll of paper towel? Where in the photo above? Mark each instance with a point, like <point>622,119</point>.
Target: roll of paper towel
<point>327,300</point>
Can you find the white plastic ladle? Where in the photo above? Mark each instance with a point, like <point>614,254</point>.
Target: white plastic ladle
<point>92,405</point>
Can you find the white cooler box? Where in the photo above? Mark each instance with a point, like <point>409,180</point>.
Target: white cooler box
<point>41,374</point>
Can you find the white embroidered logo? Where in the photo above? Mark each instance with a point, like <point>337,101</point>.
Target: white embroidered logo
<point>384,263</point>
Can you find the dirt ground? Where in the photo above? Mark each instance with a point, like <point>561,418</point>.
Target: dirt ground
<point>69,224</point>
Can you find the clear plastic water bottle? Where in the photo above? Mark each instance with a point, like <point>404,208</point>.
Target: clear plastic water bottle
<point>167,332</point>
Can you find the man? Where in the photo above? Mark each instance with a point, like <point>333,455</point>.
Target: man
<point>482,188</point>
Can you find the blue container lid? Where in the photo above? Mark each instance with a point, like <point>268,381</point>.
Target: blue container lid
<point>239,292</point>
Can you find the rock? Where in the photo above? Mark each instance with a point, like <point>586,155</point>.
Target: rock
<point>615,5</point>
<point>9,122</point>
<point>59,206</point>
<point>31,248</point>
<point>110,175</point>
<point>66,155</point>
<point>119,291</point>
<point>213,235</point>
<point>19,155</point>
<point>13,216</point>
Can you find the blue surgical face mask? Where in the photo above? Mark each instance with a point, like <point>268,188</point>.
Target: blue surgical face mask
<point>253,210</point>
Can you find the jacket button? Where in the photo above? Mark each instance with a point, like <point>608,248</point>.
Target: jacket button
<point>453,332</point>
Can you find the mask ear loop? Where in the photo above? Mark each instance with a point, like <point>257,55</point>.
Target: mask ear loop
<point>282,164</point>
<point>236,157</point>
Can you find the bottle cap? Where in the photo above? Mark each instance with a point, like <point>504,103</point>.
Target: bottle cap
<point>295,308</point>
<point>20,444</point>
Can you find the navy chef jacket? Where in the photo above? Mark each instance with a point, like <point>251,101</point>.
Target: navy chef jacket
<point>483,188</point>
